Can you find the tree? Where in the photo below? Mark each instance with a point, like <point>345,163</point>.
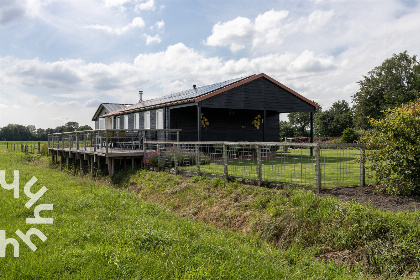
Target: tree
<point>71,126</point>
<point>84,127</point>
<point>301,121</point>
<point>393,149</point>
<point>396,81</point>
<point>333,122</point>
<point>15,132</point>
<point>285,130</point>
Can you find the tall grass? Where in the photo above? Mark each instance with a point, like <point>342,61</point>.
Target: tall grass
<point>102,232</point>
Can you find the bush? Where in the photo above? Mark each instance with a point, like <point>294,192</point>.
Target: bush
<point>349,136</point>
<point>394,153</point>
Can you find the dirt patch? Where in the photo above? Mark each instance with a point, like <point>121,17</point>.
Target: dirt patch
<point>369,195</point>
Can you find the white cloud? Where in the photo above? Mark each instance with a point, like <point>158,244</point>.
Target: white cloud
<point>152,39</point>
<point>235,34</point>
<point>3,105</point>
<point>146,6</point>
<point>267,30</point>
<point>137,22</point>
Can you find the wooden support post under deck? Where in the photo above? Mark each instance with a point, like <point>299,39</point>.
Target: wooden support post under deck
<point>81,164</point>
<point>74,165</point>
<point>91,164</point>
<point>67,162</point>
<point>132,163</point>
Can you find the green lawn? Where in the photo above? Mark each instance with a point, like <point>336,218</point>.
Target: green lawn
<point>100,232</point>
<point>339,167</point>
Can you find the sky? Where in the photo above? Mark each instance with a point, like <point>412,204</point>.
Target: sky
<point>59,59</point>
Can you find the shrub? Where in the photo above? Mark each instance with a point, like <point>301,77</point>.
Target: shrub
<point>394,153</point>
<point>349,136</point>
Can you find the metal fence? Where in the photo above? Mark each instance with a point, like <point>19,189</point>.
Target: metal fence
<point>312,165</point>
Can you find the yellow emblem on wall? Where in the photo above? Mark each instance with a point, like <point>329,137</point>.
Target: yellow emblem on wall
<point>257,121</point>
<point>204,121</point>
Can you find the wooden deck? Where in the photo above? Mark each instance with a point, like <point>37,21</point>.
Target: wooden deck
<point>102,152</point>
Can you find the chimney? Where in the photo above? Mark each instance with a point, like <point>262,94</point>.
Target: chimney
<point>140,96</point>
<point>195,86</point>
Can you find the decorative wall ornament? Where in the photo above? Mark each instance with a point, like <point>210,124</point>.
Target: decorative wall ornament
<point>257,122</point>
<point>204,121</point>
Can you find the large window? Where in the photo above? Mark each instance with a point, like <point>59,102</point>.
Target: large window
<point>101,123</point>
<point>136,121</point>
<point>159,119</point>
<point>147,120</point>
<point>118,123</point>
<point>125,121</point>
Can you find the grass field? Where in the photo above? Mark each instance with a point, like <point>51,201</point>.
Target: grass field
<point>148,225</point>
<point>339,167</point>
<point>100,232</point>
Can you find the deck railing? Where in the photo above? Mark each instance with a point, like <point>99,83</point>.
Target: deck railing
<point>109,140</point>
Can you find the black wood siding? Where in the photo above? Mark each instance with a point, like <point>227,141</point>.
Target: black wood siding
<point>260,94</point>
<point>225,124</point>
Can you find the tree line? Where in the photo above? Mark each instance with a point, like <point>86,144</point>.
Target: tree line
<point>17,132</point>
<point>393,83</point>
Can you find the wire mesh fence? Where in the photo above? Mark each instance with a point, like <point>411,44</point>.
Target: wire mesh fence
<point>279,163</point>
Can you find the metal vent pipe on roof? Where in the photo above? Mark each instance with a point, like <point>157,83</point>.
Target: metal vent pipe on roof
<point>140,96</point>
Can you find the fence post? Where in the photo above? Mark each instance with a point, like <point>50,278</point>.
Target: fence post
<point>225,162</point>
<point>362,166</point>
<point>7,143</point>
<point>318,173</point>
<point>176,158</point>
<point>259,165</point>
<point>39,147</point>
<point>197,158</point>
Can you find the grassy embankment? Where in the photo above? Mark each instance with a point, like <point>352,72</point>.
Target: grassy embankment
<point>101,231</point>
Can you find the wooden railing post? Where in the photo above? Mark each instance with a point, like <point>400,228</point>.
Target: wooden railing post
<point>106,142</point>
<point>362,166</point>
<point>318,174</point>
<point>143,135</point>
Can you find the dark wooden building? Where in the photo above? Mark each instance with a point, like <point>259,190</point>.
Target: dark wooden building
<point>243,109</point>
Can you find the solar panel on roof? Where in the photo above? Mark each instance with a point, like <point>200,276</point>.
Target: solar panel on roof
<point>186,94</point>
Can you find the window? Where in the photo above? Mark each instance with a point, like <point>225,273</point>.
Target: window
<point>136,121</point>
<point>125,121</point>
<point>101,123</point>
<point>147,120</point>
<point>118,123</point>
<point>159,119</point>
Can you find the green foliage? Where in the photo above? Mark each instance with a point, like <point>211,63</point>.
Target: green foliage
<point>332,122</point>
<point>395,82</point>
<point>286,130</point>
<point>349,136</point>
<point>395,154</point>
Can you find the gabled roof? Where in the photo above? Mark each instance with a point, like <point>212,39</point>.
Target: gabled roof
<point>201,93</point>
<point>110,107</point>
